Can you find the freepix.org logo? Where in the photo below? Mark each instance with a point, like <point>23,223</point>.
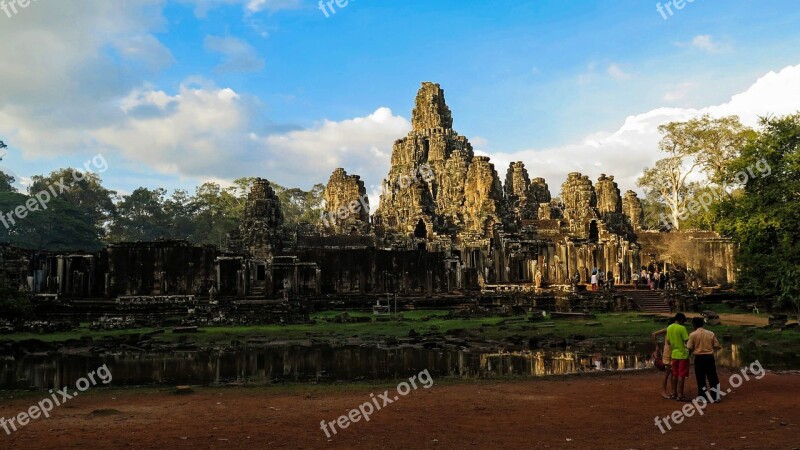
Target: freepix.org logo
<point>59,397</point>
<point>666,10</point>
<point>13,7</point>
<point>40,200</point>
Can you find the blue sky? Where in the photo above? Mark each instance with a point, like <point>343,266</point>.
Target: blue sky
<point>175,93</point>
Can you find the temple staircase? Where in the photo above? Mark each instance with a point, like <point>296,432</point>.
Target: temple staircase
<point>648,301</point>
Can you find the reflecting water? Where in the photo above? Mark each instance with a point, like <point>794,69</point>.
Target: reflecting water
<point>297,363</point>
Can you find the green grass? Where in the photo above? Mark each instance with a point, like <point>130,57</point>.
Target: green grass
<point>722,308</point>
<point>623,327</point>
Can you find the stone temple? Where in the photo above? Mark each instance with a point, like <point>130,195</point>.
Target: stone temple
<point>447,222</point>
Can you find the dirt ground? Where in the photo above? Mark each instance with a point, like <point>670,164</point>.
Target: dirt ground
<point>760,320</point>
<point>614,411</point>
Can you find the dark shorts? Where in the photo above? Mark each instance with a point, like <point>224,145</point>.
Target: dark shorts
<point>680,368</point>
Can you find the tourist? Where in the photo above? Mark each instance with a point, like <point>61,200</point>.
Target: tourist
<point>594,279</point>
<point>657,279</point>
<point>702,343</point>
<point>601,280</point>
<point>611,280</point>
<point>677,337</point>
<point>666,358</point>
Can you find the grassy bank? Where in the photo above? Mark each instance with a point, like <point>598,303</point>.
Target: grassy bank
<point>624,327</point>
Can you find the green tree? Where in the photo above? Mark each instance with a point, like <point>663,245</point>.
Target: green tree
<point>7,182</point>
<point>180,211</point>
<point>715,144</point>
<point>654,212</point>
<point>15,305</point>
<point>764,218</point>
<point>705,145</point>
<point>141,216</point>
<point>60,227</point>
<point>299,206</point>
<point>218,212</point>
<point>668,182</point>
<point>84,191</point>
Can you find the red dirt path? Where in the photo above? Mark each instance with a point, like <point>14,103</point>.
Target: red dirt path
<point>612,411</point>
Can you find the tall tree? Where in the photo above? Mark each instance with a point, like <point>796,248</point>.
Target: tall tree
<point>7,182</point>
<point>705,145</point>
<point>715,143</point>
<point>669,178</point>
<point>764,218</point>
<point>84,190</point>
<point>300,206</point>
<point>60,227</point>
<point>218,212</point>
<point>15,305</point>
<point>141,216</point>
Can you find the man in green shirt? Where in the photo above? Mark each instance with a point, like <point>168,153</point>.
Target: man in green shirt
<point>677,337</point>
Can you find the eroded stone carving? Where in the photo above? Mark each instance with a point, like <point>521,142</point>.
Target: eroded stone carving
<point>347,205</point>
<point>259,234</point>
<point>632,208</point>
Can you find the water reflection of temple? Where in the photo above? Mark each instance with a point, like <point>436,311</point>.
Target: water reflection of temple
<point>302,363</point>
<point>541,363</point>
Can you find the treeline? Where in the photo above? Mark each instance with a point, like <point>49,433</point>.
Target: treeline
<point>743,183</point>
<point>88,216</point>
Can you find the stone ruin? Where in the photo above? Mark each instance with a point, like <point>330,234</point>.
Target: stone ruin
<point>516,188</point>
<point>347,205</point>
<point>632,210</point>
<point>459,230</point>
<point>258,235</point>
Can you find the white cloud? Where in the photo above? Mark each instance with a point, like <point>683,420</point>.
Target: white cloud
<point>207,133</point>
<point>70,91</point>
<point>71,65</point>
<point>678,92</point>
<point>706,42</point>
<point>617,73</point>
<point>203,7</point>
<point>479,141</point>
<point>272,5</point>
<point>613,70</point>
<point>362,145</point>
<point>237,54</point>
<point>634,146</point>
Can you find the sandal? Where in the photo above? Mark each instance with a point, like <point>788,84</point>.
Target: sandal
<point>683,400</point>
<point>669,397</point>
